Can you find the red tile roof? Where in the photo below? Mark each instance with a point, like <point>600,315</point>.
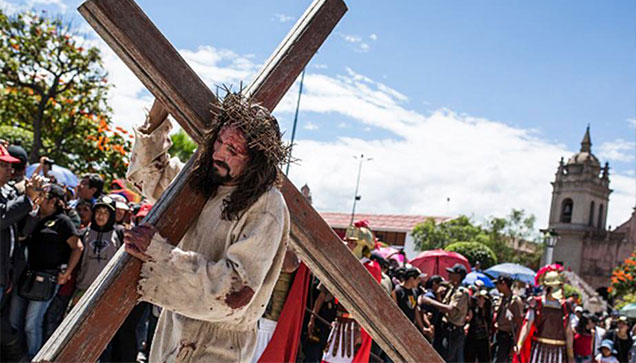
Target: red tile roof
<point>380,222</point>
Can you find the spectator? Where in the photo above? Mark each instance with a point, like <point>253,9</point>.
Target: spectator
<point>477,347</point>
<point>121,209</point>
<point>144,209</point>
<point>54,251</point>
<point>18,180</point>
<point>599,332</point>
<point>85,211</point>
<point>606,353</point>
<point>454,306</point>
<point>102,240</point>
<point>430,313</point>
<point>584,340</point>
<point>12,210</point>
<point>90,188</point>
<point>405,297</point>
<point>621,338</point>
<point>508,319</point>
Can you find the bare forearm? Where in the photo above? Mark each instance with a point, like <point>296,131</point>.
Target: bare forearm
<point>440,306</point>
<point>76,253</point>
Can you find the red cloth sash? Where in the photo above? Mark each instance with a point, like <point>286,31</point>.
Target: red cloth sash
<point>284,343</point>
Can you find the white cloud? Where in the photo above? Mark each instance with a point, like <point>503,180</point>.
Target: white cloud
<point>283,18</point>
<point>11,8</point>
<point>485,167</point>
<point>351,38</point>
<point>631,122</point>
<point>320,66</point>
<point>617,150</point>
<point>310,126</point>
<point>59,3</point>
<point>356,42</point>
<point>373,36</point>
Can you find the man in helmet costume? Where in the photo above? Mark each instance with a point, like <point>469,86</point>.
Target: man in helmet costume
<point>546,335</point>
<point>348,341</point>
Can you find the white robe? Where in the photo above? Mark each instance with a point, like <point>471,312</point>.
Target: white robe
<point>215,285</point>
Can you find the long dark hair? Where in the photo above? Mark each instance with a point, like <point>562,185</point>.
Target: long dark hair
<point>261,172</point>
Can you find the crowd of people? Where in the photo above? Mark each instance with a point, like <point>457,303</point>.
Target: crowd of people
<point>515,321</point>
<point>56,240</point>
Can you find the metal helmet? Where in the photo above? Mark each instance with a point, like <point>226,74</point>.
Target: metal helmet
<point>554,280</point>
<point>362,235</point>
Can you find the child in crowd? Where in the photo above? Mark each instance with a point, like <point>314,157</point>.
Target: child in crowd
<point>101,240</point>
<point>85,211</point>
<point>605,356</point>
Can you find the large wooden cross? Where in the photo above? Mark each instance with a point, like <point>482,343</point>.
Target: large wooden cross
<point>84,334</point>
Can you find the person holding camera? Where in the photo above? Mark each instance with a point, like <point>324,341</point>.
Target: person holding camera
<point>13,208</point>
<point>54,250</point>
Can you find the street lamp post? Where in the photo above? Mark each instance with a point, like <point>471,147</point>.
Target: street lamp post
<point>551,237</point>
<point>357,197</point>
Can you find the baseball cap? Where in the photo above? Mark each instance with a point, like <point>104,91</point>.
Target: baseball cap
<point>120,200</point>
<point>18,152</point>
<point>6,157</point>
<point>458,268</point>
<point>105,201</point>
<point>143,210</point>
<point>578,309</point>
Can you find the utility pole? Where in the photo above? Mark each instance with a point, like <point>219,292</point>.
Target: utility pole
<point>293,135</point>
<point>357,197</point>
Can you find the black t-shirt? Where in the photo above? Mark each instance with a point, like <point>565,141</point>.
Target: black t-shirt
<point>407,301</point>
<point>47,245</point>
<point>622,346</point>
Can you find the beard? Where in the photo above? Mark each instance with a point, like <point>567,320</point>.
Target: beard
<point>215,176</point>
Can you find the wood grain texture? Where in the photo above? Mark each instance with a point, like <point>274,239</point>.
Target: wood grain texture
<point>157,64</point>
<point>89,327</point>
<point>121,23</point>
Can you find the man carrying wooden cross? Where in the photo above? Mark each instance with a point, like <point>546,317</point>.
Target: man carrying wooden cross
<point>215,285</point>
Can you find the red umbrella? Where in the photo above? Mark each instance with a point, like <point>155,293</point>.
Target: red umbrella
<point>435,262</point>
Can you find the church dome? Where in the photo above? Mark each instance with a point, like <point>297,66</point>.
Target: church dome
<point>583,156</point>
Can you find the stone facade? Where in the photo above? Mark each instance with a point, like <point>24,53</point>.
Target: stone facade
<point>578,213</point>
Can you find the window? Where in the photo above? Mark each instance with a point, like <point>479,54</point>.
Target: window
<point>566,210</point>
<point>600,217</point>
<point>590,221</point>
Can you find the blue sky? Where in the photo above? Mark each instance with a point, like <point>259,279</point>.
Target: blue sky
<point>473,101</point>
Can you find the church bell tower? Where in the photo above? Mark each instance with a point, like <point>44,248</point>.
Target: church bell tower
<point>580,194</point>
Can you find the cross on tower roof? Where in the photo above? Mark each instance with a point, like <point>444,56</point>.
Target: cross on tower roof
<point>586,143</point>
<point>89,327</point>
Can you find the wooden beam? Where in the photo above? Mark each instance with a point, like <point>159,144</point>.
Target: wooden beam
<point>91,324</point>
<point>83,335</point>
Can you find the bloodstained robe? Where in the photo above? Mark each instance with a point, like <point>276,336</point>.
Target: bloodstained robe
<point>215,284</point>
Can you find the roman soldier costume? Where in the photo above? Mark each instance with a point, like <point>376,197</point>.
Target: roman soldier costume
<point>345,331</point>
<point>547,335</point>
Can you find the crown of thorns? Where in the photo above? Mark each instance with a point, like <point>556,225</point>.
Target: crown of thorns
<point>259,126</point>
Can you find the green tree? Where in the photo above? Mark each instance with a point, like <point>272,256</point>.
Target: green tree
<point>55,90</point>
<point>430,235</point>
<point>499,234</point>
<point>182,146</point>
<point>474,251</point>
